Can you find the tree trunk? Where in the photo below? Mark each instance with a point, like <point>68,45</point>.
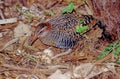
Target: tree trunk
<point>108,11</point>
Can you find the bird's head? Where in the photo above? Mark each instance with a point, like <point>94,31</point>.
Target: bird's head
<point>41,31</point>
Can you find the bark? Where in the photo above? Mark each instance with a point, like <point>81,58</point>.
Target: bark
<point>108,11</point>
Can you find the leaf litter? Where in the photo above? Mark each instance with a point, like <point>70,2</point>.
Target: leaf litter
<point>18,60</point>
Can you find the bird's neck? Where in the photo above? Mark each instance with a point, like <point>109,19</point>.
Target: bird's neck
<point>49,27</point>
<point>43,34</point>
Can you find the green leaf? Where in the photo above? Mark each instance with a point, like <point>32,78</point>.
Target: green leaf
<point>118,61</point>
<point>105,51</point>
<point>81,29</point>
<point>102,55</point>
<point>111,45</point>
<point>117,51</point>
<point>81,21</point>
<point>108,48</point>
<point>69,8</point>
<point>48,12</point>
<point>115,47</point>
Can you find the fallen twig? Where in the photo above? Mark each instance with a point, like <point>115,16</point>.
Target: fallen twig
<point>43,71</point>
<point>104,59</point>
<point>1,14</point>
<point>9,26</point>
<point>51,5</point>
<point>6,21</point>
<point>58,67</point>
<point>12,67</point>
<point>22,43</point>
<point>74,58</point>
<point>9,43</point>
<point>62,54</point>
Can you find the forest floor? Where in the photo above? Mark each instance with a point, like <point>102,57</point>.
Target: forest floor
<point>19,60</point>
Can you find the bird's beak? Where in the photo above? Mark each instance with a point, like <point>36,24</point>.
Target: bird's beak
<point>32,40</point>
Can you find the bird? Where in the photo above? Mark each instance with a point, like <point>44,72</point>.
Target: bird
<point>60,31</point>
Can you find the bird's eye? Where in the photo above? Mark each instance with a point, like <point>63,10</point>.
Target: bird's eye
<point>45,26</point>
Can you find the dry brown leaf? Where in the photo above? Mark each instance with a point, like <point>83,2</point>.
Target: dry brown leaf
<point>22,30</point>
<point>90,70</point>
<point>59,75</point>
